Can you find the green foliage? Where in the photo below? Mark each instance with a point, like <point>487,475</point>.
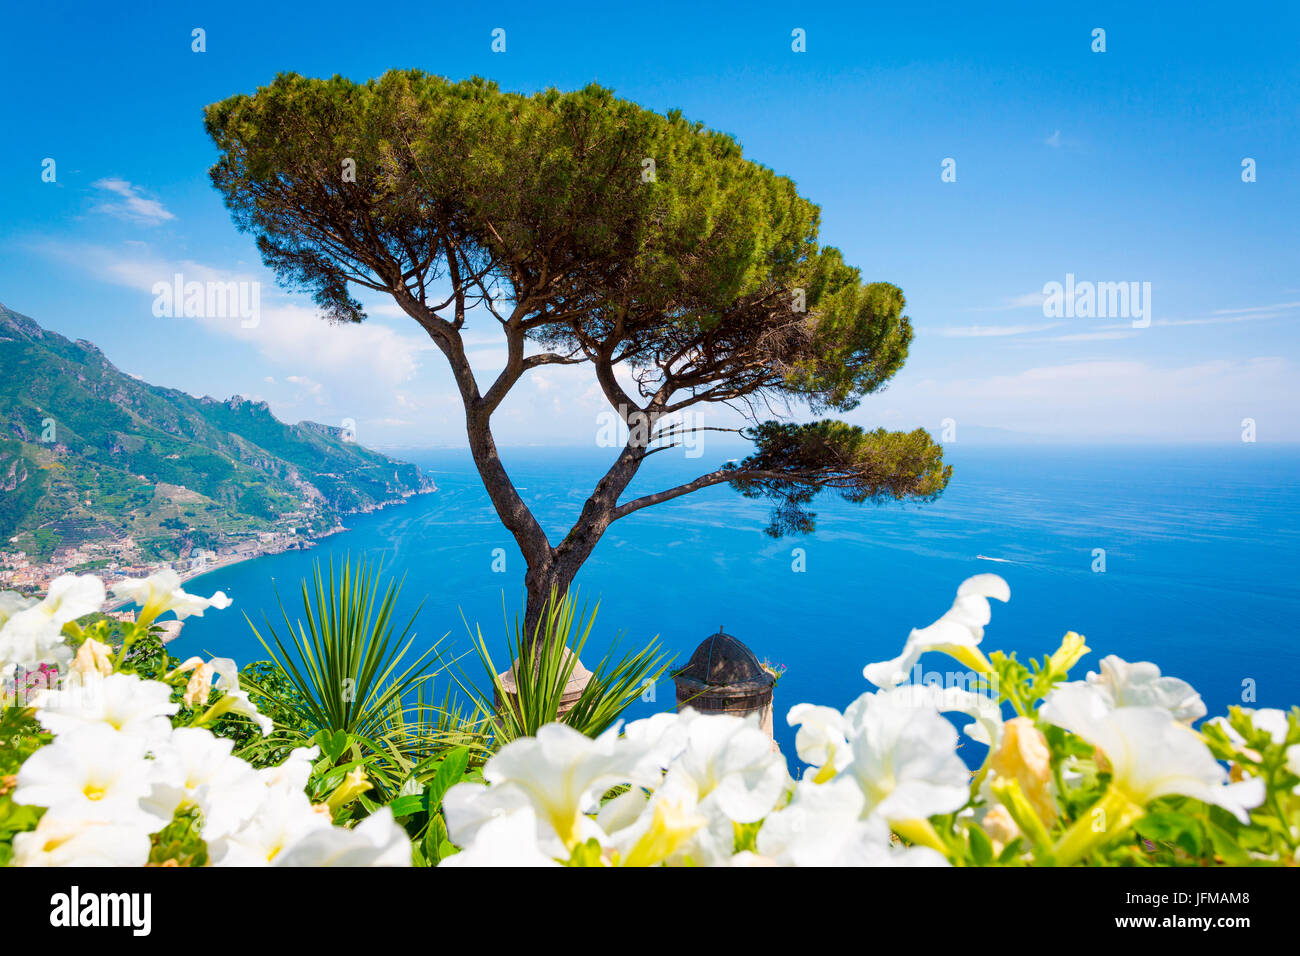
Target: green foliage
<point>554,648</point>
<point>419,807</point>
<point>20,737</point>
<point>616,235</point>
<point>276,697</point>
<point>179,842</point>
<point>343,681</point>
<point>554,187</point>
<point>794,463</point>
<point>345,664</point>
<point>1173,831</point>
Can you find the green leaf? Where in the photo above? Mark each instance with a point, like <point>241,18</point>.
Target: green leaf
<point>1225,846</point>
<point>450,771</point>
<point>408,806</point>
<point>333,744</point>
<point>1010,851</point>
<point>981,847</point>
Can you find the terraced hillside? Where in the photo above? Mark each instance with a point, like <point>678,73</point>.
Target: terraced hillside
<point>90,453</point>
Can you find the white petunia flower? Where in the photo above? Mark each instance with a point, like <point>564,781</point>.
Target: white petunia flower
<point>375,841</point>
<point>729,763</point>
<point>469,807</point>
<point>904,757</point>
<point>1150,754</point>
<point>1139,684</point>
<point>650,829</point>
<point>727,773</point>
<point>294,772</point>
<point>283,818</point>
<point>92,773</point>
<point>196,768</point>
<point>238,702</point>
<point>235,700</point>
<point>987,713</point>
<point>1270,719</point>
<point>31,638</point>
<point>70,596</point>
<point>123,702</point>
<point>162,592</point>
<point>662,737</point>
<point>957,633</point>
<point>563,773</point>
<point>820,740</point>
<point>31,632</point>
<point>508,839</point>
<point>57,841</point>
<point>11,602</point>
<point>823,826</point>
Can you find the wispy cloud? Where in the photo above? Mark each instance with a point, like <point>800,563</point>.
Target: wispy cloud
<point>128,201</point>
<point>1279,307</point>
<point>991,331</point>
<point>1030,300</point>
<point>1103,335</point>
<point>309,386</point>
<point>291,335</point>
<point>1117,398</point>
<point>1054,140</point>
<point>1226,316</point>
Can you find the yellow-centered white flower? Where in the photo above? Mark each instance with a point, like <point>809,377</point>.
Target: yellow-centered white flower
<point>1139,684</point>
<point>375,841</point>
<point>59,841</point>
<point>195,768</point>
<point>1150,754</point>
<point>820,740</point>
<point>561,773</point>
<point>162,592</point>
<point>904,757</point>
<point>957,633</point>
<point>93,773</point>
<point>823,825</point>
<point>122,702</point>
<point>507,839</point>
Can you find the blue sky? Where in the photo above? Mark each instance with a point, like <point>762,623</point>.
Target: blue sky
<point>1122,166</point>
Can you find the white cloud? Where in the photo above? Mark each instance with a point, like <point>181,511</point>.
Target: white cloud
<point>288,334</point>
<point>1102,336</point>
<point>1279,307</point>
<point>1054,140</point>
<point>1030,300</point>
<point>1103,399</point>
<point>989,331</point>
<point>131,203</point>
<point>313,389</point>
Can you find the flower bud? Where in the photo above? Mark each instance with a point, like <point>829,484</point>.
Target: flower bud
<point>1023,756</point>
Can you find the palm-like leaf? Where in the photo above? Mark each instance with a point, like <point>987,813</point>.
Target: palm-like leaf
<point>616,681</point>
<point>345,661</point>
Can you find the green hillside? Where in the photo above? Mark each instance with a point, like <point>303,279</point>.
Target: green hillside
<point>88,453</point>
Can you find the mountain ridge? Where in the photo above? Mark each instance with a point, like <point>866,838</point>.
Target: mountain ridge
<point>90,454</point>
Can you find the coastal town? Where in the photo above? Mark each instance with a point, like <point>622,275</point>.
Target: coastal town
<point>122,558</point>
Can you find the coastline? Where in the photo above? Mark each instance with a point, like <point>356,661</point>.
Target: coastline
<point>305,543</point>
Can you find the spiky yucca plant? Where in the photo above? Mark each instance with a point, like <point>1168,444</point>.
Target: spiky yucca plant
<point>616,681</point>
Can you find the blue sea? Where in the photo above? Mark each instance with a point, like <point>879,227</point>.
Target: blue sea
<point>1201,554</point>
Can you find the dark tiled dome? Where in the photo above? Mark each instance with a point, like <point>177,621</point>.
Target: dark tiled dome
<point>722,659</point>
